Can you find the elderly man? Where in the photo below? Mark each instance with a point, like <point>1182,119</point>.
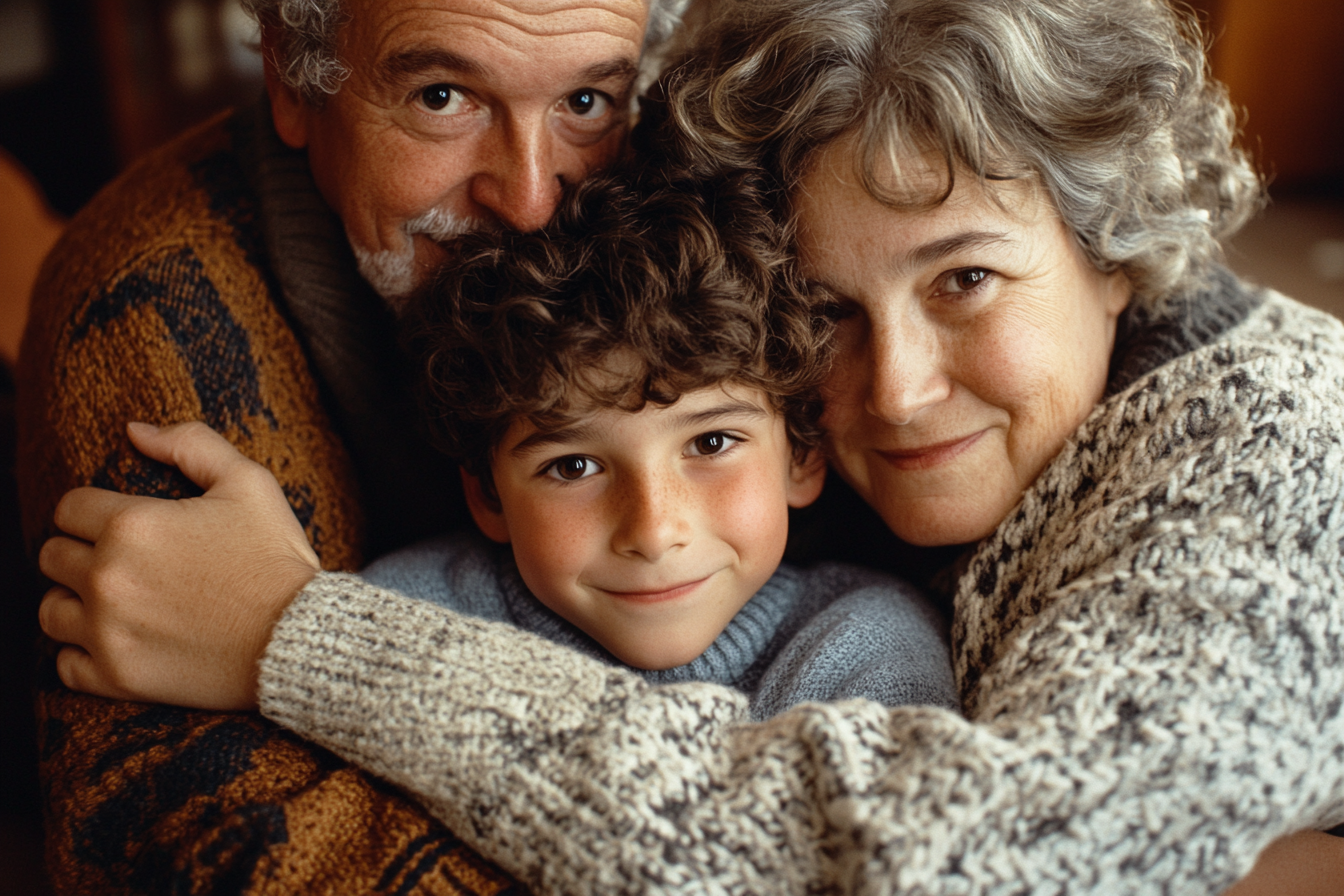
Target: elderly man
<point>248,274</point>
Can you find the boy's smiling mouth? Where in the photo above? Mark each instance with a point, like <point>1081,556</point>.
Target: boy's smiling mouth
<point>656,594</point>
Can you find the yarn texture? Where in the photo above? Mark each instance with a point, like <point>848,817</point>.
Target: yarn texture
<point>1148,651</point>
<point>211,282</point>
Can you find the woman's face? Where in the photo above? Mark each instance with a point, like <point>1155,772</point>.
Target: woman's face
<point>976,337</point>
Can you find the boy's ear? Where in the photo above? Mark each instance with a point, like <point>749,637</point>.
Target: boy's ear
<point>289,110</point>
<point>806,479</point>
<point>485,509</point>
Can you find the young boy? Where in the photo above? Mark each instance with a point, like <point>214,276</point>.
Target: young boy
<point>632,396</point>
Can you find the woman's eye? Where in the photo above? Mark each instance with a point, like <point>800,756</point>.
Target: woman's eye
<point>443,99</point>
<point>588,103</point>
<point>711,443</point>
<point>572,468</point>
<point>965,280</point>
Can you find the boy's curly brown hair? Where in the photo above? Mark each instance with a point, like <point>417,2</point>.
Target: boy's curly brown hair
<point>641,289</point>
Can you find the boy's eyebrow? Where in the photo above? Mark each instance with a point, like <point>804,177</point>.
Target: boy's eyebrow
<point>733,408</point>
<point>540,439</point>
<point>581,431</point>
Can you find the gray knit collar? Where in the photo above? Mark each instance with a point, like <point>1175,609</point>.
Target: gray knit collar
<point>1145,339</point>
<point>408,490</point>
<point>728,660</point>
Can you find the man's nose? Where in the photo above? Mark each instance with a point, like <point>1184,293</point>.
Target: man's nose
<point>906,372</point>
<point>651,520</point>
<point>520,181</point>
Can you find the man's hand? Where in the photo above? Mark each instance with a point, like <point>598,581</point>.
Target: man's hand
<point>174,601</point>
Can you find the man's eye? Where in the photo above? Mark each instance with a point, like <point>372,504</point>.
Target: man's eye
<point>588,103</point>
<point>711,443</point>
<point>443,99</point>
<point>572,468</point>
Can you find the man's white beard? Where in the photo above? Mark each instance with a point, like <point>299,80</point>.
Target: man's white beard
<point>392,272</point>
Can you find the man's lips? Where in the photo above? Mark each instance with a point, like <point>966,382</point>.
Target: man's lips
<point>932,455</point>
<point>654,595</point>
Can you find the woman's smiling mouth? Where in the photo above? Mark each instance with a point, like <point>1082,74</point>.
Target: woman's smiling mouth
<point>926,456</point>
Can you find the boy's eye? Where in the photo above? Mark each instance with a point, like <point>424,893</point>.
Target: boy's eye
<point>711,443</point>
<point>572,468</point>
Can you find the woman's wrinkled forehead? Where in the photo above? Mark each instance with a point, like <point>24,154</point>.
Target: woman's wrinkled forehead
<point>918,179</point>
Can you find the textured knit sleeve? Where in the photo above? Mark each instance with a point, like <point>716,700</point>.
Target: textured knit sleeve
<point>153,308</point>
<point>1150,651</point>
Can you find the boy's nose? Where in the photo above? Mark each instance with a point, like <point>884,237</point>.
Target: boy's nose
<point>651,521</point>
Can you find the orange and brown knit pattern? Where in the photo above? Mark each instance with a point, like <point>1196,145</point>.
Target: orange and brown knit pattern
<point>157,306</point>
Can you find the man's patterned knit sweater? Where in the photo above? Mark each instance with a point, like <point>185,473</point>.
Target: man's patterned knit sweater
<point>1149,651</point>
<point>210,282</point>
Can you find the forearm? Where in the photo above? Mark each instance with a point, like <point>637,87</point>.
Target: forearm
<point>580,778</point>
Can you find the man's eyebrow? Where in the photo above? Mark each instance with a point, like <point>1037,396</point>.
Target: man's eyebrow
<point>939,249</point>
<point>418,60</point>
<point>622,68</point>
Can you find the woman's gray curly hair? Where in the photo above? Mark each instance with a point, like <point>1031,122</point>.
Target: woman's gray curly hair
<point>302,34</point>
<point>1108,102</point>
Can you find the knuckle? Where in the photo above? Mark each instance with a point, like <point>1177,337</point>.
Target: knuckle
<point>48,557</point>
<point>107,583</point>
<point>132,524</point>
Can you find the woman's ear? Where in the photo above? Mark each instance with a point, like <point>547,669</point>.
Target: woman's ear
<point>289,110</point>
<point>806,479</point>
<point>485,509</point>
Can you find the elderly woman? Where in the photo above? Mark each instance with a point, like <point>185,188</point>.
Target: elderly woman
<point>1016,205</point>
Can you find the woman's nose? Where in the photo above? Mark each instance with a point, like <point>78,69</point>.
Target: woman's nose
<point>907,371</point>
<point>652,519</point>
<point>520,182</point>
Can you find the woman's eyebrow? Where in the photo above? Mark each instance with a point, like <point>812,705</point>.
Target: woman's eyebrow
<point>940,249</point>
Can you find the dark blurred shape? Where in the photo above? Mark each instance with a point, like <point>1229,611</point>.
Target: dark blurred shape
<point>172,63</point>
<point>55,123</point>
<point>88,85</point>
<point>20,814</point>
<point>1283,65</point>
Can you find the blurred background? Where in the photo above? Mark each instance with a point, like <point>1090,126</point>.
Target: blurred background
<point>86,86</point>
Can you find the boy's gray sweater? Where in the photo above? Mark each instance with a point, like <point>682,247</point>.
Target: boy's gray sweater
<point>829,633</point>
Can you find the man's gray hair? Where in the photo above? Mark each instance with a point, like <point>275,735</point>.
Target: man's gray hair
<point>302,36</point>
<point>1107,102</point>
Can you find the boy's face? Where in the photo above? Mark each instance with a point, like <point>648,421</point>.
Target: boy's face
<point>649,530</point>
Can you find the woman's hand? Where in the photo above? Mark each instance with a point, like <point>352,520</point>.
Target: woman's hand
<point>174,601</point>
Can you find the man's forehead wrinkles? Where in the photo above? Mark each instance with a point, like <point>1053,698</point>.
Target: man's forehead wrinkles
<point>497,18</point>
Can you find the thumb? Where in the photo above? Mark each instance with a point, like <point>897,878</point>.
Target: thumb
<point>203,455</point>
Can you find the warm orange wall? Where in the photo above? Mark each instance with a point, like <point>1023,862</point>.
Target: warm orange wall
<point>1283,60</point>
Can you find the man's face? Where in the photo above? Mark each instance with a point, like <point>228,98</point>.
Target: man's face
<point>460,114</point>
<point>650,529</point>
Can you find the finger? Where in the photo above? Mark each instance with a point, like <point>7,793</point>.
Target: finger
<point>203,455</point>
<point>67,561</point>
<point>84,512</point>
<point>77,671</point>
<point>61,615</point>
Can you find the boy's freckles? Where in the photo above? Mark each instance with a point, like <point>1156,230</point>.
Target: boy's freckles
<point>649,530</point>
